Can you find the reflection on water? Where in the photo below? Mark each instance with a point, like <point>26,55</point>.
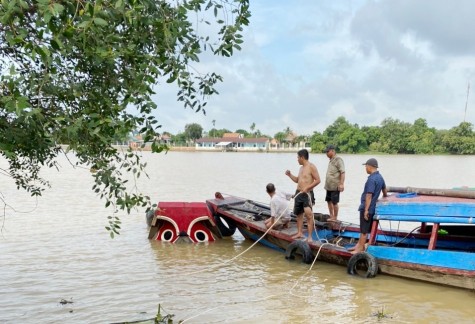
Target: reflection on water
<point>56,248</point>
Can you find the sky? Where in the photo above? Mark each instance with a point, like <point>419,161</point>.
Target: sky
<point>304,63</point>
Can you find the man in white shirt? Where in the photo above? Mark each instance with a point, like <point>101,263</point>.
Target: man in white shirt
<point>279,208</point>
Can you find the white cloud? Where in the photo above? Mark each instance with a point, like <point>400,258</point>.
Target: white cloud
<point>305,63</point>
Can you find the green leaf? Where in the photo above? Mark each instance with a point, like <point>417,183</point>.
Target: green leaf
<point>100,22</point>
<point>119,4</point>
<point>68,32</point>
<point>85,23</point>
<point>58,8</point>
<point>56,44</point>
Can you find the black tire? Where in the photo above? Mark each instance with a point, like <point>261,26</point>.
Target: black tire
<point>149,217</point>
<point>363,264</point>
<point>300,247</point>
<point>226,229</point>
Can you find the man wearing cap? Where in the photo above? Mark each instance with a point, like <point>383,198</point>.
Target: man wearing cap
<point>372,189</point>
<point>334,181</point>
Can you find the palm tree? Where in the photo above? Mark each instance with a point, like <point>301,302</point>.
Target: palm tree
<point>214,123</point>
<point>253,127</point>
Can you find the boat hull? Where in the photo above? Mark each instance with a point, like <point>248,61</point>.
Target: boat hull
<point>176,222</point>
<point>406,254</point>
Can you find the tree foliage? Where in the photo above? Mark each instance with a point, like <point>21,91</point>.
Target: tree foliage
<point>280,136</point>
<point>218,132</point>
<point>244,132</point>
<point>193,131</point>
<point>395,137</point>
<point>421,138</point>
<point>460,139</point>
<point>83,72</point>
<point>347,137</point>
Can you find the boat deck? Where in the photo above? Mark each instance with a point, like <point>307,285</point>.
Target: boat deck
<point>426,209</point>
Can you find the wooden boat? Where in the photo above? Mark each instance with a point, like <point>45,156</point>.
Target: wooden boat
<point>438,246</point>
<point>441,249</point>
<point>175,222</point>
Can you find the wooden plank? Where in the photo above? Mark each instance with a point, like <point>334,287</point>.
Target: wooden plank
<point>444,279</point>
<point>374,230</point>
<point>456,261</point>
<point>425,208</point>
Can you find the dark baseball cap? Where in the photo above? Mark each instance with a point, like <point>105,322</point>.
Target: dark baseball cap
<point>373,162</point>
<point>329,147</point>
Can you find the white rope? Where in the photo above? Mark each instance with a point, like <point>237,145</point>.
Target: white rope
<point>311,266</point>
<point>245,251</point>
<point>257,241</point>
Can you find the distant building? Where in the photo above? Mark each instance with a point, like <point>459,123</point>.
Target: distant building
<point>135,141</point>
<point>165,139</point>
<point>274,144</point>
<point>290,138</point>
<point>233,142</point>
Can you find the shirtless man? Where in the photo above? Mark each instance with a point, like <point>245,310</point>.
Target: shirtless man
<point>307,179</point>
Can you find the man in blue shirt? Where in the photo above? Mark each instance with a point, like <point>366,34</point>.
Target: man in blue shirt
<point>372,189</point>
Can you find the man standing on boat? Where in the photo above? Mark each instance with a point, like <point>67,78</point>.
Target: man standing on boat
<point>334,181</point>
<point>372,189</point>
<point>307,179</point>
<point>279,208</point>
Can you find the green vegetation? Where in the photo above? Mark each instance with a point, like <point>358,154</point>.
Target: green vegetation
<point>396,137</point>
<point>193,131</point>
<point>392,137</point>
<point>82,73</point>
<point>381,314</point>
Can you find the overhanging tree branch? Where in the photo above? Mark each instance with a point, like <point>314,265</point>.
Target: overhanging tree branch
<point>70,70</point>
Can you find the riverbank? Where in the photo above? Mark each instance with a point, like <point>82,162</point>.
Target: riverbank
<point>236,150</point>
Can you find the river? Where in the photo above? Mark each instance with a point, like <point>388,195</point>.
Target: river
<point>55,248</point>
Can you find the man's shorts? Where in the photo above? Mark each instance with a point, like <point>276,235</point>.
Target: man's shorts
<point>365,225</point>
<point>301,201</point>
<point>333,196</point>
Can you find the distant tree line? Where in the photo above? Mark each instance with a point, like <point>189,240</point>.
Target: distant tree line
<point>393,137</point>
<point>396,137</point>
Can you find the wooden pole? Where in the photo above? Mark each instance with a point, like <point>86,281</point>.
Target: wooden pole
<point>374,232</point>
<point>433,236</point>
<point>456,193</point>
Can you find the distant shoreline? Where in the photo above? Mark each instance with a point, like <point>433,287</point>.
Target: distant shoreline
<point>279,150</point>
<point>194,149</point>
<point>147,148</point>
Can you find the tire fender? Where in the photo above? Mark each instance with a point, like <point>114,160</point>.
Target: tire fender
<point>360,261</point>
<point>302,248</point>
<point>225,230</point>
